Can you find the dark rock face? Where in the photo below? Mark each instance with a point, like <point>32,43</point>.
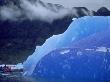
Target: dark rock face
<point>103,12</point>
<point>81,11</point>
<point>18,39</point>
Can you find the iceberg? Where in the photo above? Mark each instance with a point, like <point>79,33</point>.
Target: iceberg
<point>79,29</point>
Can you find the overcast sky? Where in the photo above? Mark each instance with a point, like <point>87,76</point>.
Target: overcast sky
<point>91,4</point>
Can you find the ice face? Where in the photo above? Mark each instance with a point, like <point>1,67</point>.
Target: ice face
<point>78,29</point>
<point>75,64</point>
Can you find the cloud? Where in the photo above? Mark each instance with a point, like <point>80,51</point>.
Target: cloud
<point>31,11</point>
<point>10,13</point>
<point>90,4</point>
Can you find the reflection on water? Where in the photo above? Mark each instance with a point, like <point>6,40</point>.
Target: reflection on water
<point>17,77</point>
<point>29,79</point>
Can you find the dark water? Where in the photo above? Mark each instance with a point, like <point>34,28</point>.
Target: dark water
<point>17,77</point>
<point>27,79</point>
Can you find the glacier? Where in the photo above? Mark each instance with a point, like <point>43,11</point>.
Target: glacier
<point>79,29</point>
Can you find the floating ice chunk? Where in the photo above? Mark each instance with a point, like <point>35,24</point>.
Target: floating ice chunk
<point>19,66</point>
<point>78,29</point>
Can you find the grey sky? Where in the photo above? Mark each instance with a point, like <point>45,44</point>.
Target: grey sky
<point>91,4</point>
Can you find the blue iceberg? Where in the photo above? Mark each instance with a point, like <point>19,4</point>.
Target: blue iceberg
<point>78,30</point>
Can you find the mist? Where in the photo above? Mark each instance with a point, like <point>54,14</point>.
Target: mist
<point>31,11</point>
<point>90,4</point>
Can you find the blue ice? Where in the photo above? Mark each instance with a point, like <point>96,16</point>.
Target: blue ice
<point>78,29</point>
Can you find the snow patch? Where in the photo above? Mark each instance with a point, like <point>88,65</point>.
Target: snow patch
<point>74,19</point>
<point>101,49</point>
<point>65,52</point>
